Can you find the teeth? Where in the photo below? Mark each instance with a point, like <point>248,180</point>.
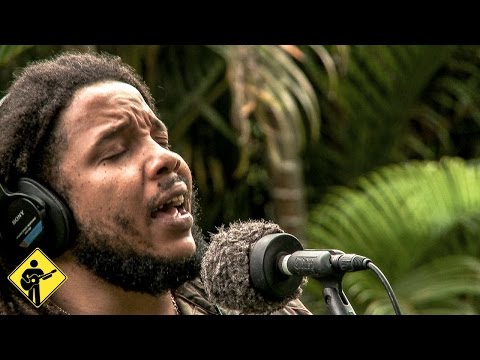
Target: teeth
<point>176,201</point>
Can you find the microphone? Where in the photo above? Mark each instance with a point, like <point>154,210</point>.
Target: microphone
<point>255,267</point>
<point>225,270</point>
<point>315,263</point>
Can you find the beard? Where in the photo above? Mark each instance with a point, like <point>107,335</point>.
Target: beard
<point>133,270</point>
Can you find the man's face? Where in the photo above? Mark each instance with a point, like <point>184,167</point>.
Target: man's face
<point>128,192</point>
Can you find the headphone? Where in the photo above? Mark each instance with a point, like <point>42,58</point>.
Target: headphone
<point>33,216</point>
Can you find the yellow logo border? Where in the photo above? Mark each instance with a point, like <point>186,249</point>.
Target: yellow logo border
<point>51,292</point>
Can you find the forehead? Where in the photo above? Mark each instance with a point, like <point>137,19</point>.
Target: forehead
<point>105,93</point>
<point>106,104</point>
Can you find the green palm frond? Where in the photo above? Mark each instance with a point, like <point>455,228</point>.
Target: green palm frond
<point>384,85</point>
<point>368,124</point>
<point>448,118</point>
<point>408,218</point>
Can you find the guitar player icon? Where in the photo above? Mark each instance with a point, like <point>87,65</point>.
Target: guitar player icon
<point>31,281</point>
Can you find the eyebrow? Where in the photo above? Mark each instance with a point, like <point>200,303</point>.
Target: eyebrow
<point>114,131</point>
<point>158,124</point>
<point>111,133</point>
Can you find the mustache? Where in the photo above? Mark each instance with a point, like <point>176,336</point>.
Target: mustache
<point>167,185</point>
<point>172,181</point>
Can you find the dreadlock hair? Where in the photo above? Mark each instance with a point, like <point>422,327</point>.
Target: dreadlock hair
<point>29,143</point>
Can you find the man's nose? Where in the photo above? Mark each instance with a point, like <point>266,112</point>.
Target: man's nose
<point>162,161</point>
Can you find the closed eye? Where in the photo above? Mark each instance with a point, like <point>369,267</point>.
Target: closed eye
<point>163,143</point>
<point>115,156</point>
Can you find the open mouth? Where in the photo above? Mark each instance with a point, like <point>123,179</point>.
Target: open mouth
<point>173,206</point>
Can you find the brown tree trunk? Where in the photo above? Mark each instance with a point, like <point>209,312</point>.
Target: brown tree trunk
<point>288,197</point>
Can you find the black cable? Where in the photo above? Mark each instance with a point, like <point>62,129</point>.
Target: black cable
<point>387,286</point>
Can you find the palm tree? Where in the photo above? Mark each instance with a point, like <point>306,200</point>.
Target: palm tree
<point>273,96</point>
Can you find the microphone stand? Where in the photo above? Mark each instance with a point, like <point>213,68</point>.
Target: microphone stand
<point>335,299</point>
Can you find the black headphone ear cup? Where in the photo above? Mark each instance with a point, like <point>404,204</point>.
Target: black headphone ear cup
<point>58,218</point>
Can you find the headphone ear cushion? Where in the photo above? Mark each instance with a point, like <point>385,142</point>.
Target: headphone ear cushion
<point>58,218</point>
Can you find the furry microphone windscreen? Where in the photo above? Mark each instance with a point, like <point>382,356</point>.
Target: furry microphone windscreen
<point>225,268</point>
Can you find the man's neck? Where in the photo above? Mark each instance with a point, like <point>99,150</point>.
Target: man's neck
<point>86,294</point>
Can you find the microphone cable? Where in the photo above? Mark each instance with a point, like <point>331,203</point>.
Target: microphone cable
<point>351,262</point>
<point>387,286</point>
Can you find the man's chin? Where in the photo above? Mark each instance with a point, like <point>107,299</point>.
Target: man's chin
<point>183,249</point>
<point>140,271</point>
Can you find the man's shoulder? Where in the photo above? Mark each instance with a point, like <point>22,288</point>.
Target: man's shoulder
<point>192,299</point>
